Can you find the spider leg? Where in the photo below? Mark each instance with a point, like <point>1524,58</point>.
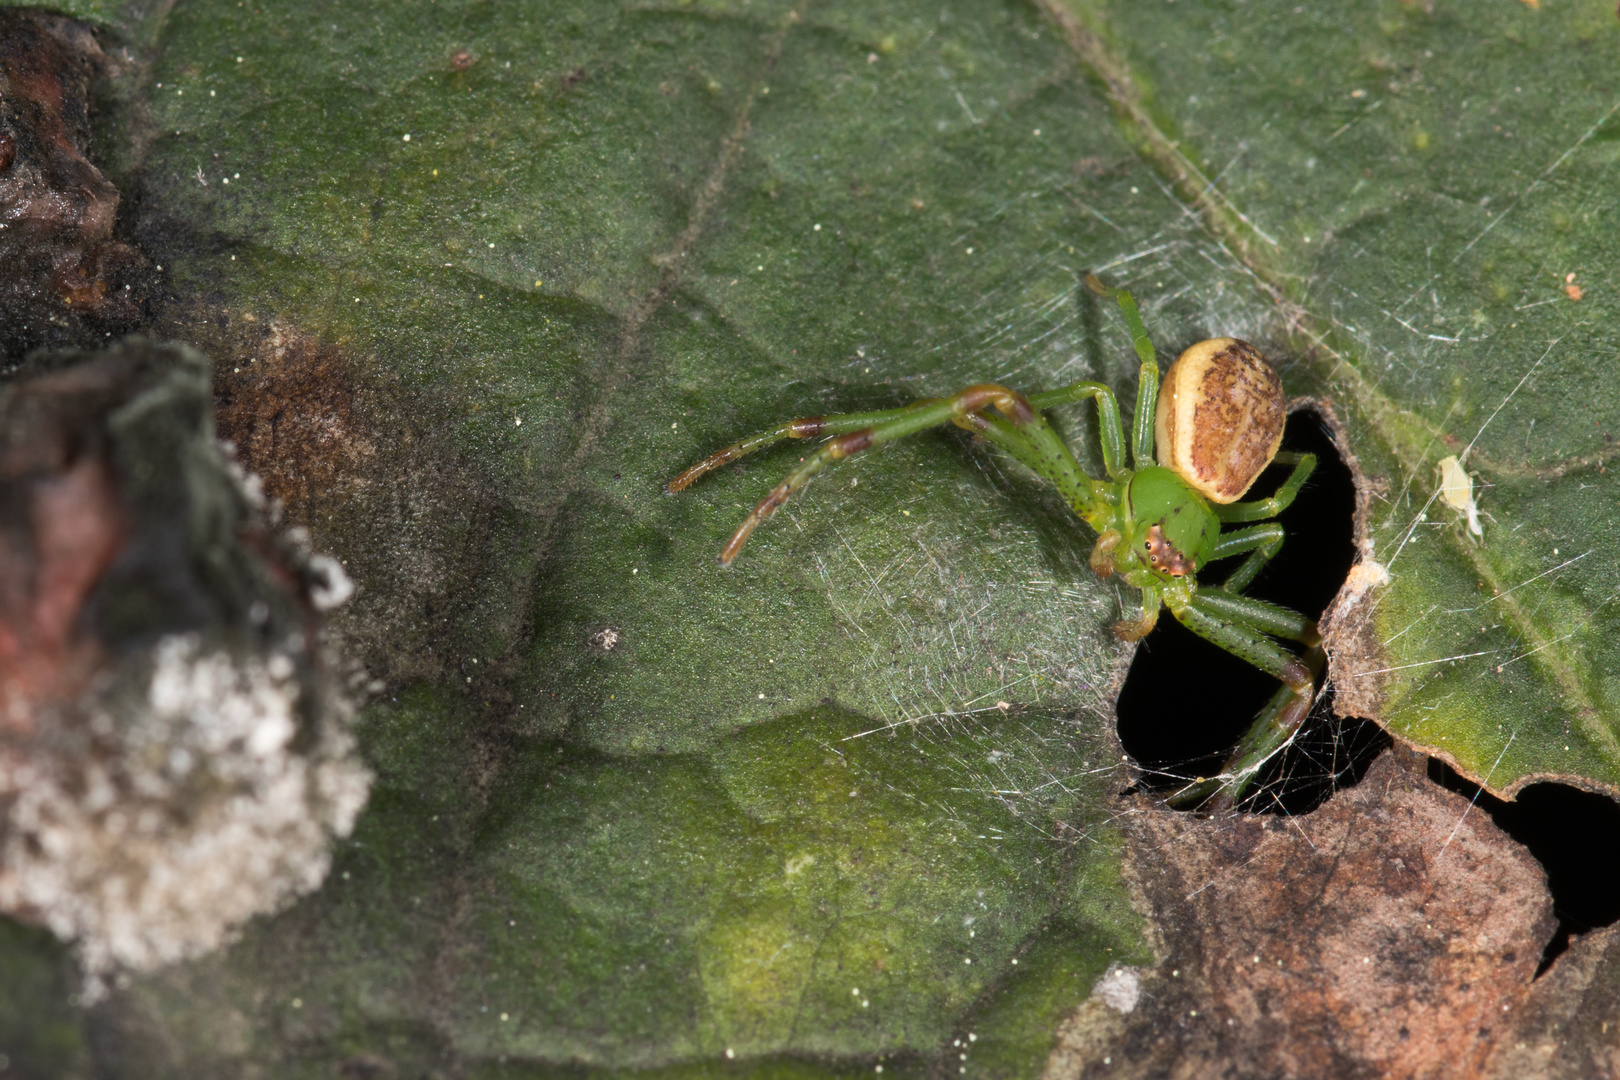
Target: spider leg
<point>898,424</point>
<point>805,427</point>
<point>1109,431</point>
<point>1240,635</point>
<point>1272,729</point>
<point>1272,619</point>
<point>1261,541</point>
<point>1238,541</point>
<point>1147,379</point>
<point>1036,445</point>
<point>1136,630</point>
<point>1102,553</point>
<point>1240,625</point>
<point>1259,509</point>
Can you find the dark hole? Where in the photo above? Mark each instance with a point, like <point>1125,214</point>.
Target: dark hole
<point>1574,834</point>
<point>1186,701</point>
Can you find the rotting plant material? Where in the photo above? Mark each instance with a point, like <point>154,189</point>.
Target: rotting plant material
<point>1391,933</point>
<point>292,417</point>
<point>64,278</point>
<point>174,758</point>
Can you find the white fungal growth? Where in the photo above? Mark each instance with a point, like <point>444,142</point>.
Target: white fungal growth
<point>1457,489</point>
<point>189,812</point>
<point>337,587</point>
<point>1119,989</point>
<point>1364,577</point>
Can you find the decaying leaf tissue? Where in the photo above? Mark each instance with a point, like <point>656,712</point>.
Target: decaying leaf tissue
<point>174,756</point>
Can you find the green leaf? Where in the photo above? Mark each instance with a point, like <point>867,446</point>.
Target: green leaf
<point>1432,210</point>
<point>849,799</point>
<point>619,238</point>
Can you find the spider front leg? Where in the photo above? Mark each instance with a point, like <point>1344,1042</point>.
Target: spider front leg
<point>863,431</point>
<point>804,427</point>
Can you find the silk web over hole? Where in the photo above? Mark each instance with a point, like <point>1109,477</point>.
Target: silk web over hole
<point>1185,702</point>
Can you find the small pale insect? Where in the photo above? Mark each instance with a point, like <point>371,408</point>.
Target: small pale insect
<point>1457,489</point>
<point>1218,425</point>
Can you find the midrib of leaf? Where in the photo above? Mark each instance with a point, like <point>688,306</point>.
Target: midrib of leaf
<point>596,417</point>
<point>595,420</point>
<point>1407,435</point>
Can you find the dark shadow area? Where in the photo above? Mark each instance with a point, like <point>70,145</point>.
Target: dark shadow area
<point>1574,834</point>
<point>1186,702</point>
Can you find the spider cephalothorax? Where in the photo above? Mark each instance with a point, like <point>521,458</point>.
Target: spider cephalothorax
<point>1218,423</point>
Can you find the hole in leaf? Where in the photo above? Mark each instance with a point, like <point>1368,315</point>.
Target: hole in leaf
<point>1574,834</point>
<point>1186,702</point>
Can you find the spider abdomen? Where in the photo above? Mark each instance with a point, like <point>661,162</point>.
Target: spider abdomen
<point>1220,417</point>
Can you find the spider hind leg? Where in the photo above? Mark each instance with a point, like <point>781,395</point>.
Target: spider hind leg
<point>1244,627</point>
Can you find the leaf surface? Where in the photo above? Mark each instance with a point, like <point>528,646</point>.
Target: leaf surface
<point>1428,205</point>
<point>480,278</point>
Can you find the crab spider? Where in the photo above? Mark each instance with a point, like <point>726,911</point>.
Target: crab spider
<point>1217,424</point>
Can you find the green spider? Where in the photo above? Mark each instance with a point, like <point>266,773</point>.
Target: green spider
<point>1218,426</point>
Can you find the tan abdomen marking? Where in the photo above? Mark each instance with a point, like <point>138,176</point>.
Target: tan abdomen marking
<point>1220,417</point>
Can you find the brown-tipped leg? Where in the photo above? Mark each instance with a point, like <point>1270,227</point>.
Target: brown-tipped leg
<point>740,537</point>
<point>1300,679</point>
<point>805,427</point>
<point>779,495</point>
<point>703,468</point>
<point>835,449</point>
<point>1013,405</point>
<point>1102,554</point>
<point>1137,629</point>
<point>875,429</point>
<point>691,476</point>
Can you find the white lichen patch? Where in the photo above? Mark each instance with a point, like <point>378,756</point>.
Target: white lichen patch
<point>155,822</point>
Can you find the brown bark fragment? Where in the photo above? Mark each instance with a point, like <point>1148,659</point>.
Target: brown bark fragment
<point>1569,1026</point>
<point>64,278</point>
<point>1391,933</point>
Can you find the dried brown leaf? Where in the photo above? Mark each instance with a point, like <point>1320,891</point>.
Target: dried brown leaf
<point>1391,933</point>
